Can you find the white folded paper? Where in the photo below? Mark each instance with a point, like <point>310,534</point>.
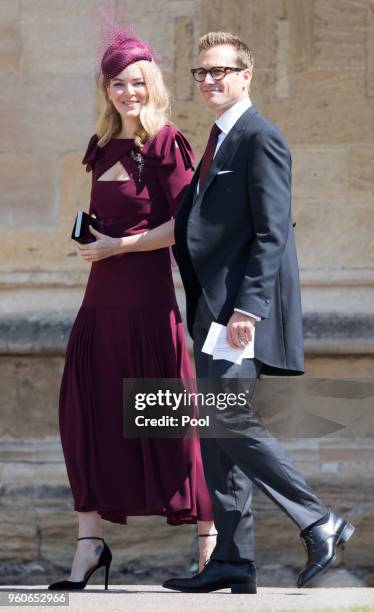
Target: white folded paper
<point>216,344</point>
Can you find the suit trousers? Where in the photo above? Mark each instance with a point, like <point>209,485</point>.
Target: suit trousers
<point>232,463</point>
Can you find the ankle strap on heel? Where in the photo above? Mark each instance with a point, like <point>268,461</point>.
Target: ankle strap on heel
<point>90,538</point>
<point>207,535</point>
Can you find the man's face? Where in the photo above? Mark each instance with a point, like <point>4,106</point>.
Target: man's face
<point>221,95</point>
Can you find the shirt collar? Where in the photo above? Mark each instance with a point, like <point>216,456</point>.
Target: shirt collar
<point>228,119</point>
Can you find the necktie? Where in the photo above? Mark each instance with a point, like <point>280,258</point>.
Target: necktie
<point>209,152</point>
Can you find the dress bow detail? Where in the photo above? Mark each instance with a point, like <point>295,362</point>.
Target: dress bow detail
<point>92,154</point>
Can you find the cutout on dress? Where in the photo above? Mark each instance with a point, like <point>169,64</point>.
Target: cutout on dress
<point>115,173</point>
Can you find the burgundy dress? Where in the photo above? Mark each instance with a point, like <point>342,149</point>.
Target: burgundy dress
<point>129,326</point>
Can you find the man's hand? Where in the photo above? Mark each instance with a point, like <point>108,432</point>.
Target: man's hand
<point>239,329</point>
<point>103,247</point>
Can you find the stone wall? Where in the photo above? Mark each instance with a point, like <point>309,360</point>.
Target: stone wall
<point>313,77</point>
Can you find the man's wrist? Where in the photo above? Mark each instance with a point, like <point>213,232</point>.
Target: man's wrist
<point>249,314</point>
<point>243,318</point>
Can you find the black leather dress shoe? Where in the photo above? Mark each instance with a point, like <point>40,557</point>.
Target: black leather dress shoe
<point>240,578</point>
<point>321,542</point>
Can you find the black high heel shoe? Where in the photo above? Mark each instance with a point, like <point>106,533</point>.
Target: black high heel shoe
<point>105,560</point>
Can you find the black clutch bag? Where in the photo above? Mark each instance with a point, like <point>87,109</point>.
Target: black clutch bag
<point>81,232</point>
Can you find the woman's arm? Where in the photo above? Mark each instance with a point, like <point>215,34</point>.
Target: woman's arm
<point>106,246</point>
<point>157,238</point>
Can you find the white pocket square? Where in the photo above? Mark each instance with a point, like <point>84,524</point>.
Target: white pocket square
<point>225,171</point>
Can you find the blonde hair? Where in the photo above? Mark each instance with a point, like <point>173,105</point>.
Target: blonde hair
<point>153,115</point>
<point>213,39</point>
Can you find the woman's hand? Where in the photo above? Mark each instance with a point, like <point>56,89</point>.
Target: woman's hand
<point>103,247</point>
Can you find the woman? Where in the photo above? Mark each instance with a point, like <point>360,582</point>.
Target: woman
<point>129,325</point>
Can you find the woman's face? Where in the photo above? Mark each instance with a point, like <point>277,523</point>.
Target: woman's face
<point>128,92</point>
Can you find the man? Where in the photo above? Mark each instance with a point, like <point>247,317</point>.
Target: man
<point>236,253</point>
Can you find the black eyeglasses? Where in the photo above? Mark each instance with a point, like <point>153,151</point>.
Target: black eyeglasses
<point>217,72</point>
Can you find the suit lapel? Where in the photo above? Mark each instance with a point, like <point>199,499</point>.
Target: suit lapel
<point>228,146</point>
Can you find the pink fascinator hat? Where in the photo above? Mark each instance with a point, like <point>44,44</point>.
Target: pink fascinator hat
<point>122,49</point>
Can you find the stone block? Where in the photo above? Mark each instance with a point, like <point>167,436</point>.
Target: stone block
<point>370,52</point>
<point>339,34</point>
<point>324,89</point>
<point>361,171</point>
<point>255,22</point>
<point>19,535</point>
<point>352,453</point>
<point>265,86</point>
<point>10,11</point>
<point>40,484</point>
<point>57,192</point>
<point>288,550</point>
<point>58,537</point>
<point>29,198</point>
<point>318,105</point>
<point>45,113</point>
<point>357,550</point>
<point>346,239</point>
<point>155,23</point>
<point>29,396</point>
<point>48,30</point>
<point>183,83</point>
<point>340,366</point>
<point>320,171</point>
<point>300,18</point>
<point>283,83</point>
<point>10,39</point>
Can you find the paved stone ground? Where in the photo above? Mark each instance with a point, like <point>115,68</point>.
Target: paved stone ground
<point>149,598</point>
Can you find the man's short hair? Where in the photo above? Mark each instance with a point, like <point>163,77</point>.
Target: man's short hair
<point>213,39</point>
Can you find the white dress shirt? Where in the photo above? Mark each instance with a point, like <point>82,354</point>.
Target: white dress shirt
<point>225,122</point>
